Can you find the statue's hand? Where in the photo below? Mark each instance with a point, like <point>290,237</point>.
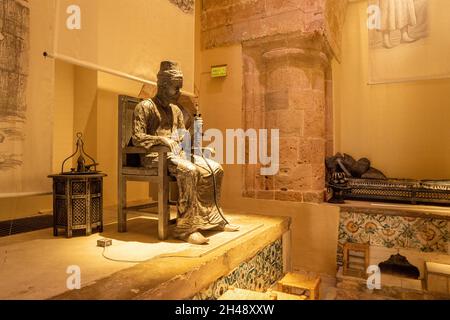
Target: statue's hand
<point>169,143</point>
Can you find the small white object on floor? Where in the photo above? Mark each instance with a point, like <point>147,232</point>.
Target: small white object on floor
<point>104,243</point>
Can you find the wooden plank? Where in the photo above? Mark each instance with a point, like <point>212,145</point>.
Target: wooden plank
<point>134,150</point>
<point>143,206</point>
<point>132,177</point>
<point>121,180</point>
<point>69,207</point>
<point>163,197</point>
<point>101,206</point>
<point>88,207</point>
<point>147,172</point>
<point>141,150</point>
<point>55,211</point>
<point>160,149</point>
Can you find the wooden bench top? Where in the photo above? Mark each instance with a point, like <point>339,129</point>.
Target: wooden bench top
<point>300,281</point>
<point>438,268</point>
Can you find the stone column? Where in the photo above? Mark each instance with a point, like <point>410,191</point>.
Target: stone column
<point>295,103</point>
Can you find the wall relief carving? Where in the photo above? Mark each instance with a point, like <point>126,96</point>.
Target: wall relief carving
<point>187,6</point>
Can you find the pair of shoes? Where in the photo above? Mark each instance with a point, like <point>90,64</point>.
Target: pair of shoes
<point>197,238</point>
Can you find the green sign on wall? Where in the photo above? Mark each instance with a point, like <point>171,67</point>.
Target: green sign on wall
<point>219,71</point>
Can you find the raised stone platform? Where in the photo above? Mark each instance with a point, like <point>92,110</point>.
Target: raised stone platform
<point>139,266</point>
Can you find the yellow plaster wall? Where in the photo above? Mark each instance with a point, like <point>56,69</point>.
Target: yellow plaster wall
<point>85,100</point>
<point>404,127</point>
<point>109,88</point>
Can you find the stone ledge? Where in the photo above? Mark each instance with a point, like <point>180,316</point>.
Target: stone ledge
<point>419,211</point>
<point>174,278</point>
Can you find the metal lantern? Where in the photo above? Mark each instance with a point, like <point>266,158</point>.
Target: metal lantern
<point>82,167</point>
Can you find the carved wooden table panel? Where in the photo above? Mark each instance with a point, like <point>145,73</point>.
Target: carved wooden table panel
<point>77,203</point>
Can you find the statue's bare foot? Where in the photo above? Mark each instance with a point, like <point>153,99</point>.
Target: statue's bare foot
<point>231,228</point>
<point>387,42</point>
<point>197,238</point>
<point>407,38</point>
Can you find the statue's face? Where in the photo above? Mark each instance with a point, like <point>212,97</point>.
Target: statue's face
<point>171,90</point>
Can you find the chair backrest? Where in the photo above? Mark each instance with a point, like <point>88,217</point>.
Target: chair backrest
<point>127,105</point>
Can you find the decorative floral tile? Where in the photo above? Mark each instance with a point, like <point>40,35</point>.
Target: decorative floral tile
<point>424,234</point>
<point>258,274</point>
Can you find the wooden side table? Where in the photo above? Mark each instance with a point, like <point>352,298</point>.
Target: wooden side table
<point>77,202</point>
<point>300,284</point>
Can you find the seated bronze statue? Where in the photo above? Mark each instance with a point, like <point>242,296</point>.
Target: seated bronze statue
<point>159,121</point>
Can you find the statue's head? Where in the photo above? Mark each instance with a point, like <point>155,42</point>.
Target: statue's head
<point>170,81</point>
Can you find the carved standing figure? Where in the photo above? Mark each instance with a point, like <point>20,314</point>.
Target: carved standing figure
<point>159,121</point>
<point>397,15</point>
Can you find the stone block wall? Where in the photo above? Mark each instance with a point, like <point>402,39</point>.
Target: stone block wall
<point>229,21</point>
<point>284,88</point>
<point>287,84</point>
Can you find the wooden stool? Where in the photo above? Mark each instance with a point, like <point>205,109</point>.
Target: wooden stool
<point>301,285</point>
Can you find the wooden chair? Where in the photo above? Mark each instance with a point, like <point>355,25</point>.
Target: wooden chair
<point>129,169</point>
<point>356,259</point>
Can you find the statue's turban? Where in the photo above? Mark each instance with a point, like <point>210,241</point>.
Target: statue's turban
<point>169,70</point>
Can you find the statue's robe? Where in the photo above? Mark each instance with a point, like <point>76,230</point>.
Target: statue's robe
<point>197,209</point>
